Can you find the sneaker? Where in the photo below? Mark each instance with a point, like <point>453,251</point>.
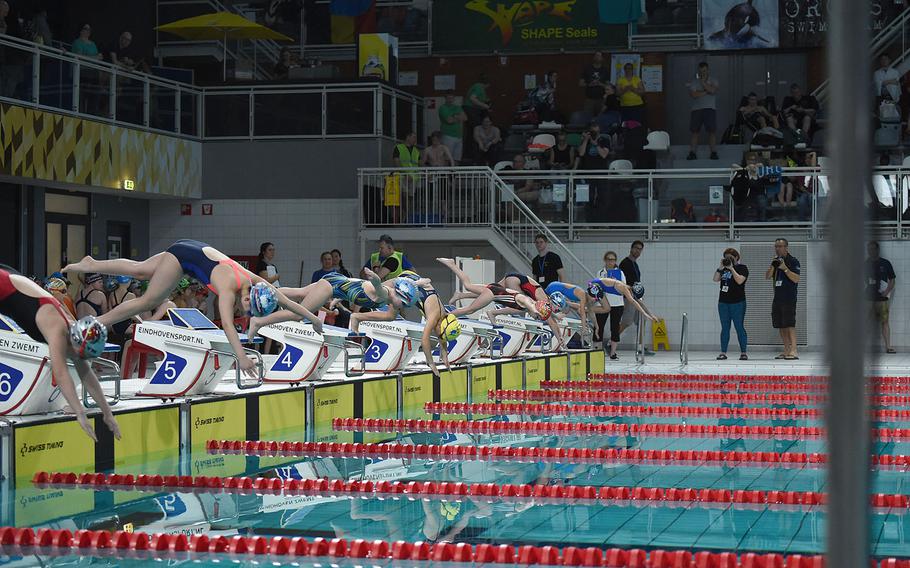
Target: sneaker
<point>691,156</point>
<point>649,353</point>
<point>714,156</point>
<point>614,356</point>
<point>743,357</point>
<point>722,357</point>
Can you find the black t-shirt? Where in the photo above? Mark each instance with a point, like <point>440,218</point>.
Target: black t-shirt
<point>784,288</point>
<point>805,101</point>
<point>730,291</point>
<point>878,273</point>
<point>128,52</point>
<point>592,73</point>
<point>545,268</point>
<point>630,270</point>
<point>591,158</point>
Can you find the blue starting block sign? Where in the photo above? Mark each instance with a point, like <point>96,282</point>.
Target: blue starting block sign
<point>9,324</point>
<point>190,318</point>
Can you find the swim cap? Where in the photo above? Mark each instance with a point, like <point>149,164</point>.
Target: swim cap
<point>87,337</point>
<point>110,283</point>
<point>263,300</point>
<point>596,289</point>
<point>638,290</point>
<point>449,328</point>
<point>121,279</point>
<point>544,309</point>
<point>559,301</point>
<point>55,285</point>
<point>91,278</point>
<point>183,284</point>
<point>406,291</point>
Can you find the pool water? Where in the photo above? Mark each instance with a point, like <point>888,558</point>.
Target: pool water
<point>667,525</point>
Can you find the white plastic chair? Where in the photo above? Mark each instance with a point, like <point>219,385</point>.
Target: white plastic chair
<point>906,162</point>
<point>502,165</point>
<point>541,143</point>
<point>621,165</point>
<point>658,140</point>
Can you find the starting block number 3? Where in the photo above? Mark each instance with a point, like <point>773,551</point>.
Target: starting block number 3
<point>9,380</point>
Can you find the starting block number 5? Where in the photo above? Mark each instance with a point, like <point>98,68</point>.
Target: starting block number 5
<point>169,370</point>
<point>9,380</point>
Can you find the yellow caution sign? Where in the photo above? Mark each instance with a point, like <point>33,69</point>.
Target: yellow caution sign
<point>659,335</point>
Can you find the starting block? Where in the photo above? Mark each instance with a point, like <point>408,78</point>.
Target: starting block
<point>307,355</point>
<point>392,344</point>
<point>194,350</point>
<point>567,326</point>
<point>26,378</point>
<point>475,336</point>
<point>518,333</point>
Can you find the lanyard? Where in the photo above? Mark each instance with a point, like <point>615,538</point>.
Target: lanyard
<point>541,263</point>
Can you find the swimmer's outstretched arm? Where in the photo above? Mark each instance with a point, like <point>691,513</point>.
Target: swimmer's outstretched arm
<point>57,347</point>
<point>556,333</point>
<point>226,313</point>
<point>376,315</point>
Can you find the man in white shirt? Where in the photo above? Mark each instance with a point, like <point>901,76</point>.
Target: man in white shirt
<point>887,79</point>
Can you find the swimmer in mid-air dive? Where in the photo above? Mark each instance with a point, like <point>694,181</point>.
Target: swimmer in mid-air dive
<point>221,274</point>
<point>44,319</point>
<point>589,301</point>
<point>512,301</point>
<point>430,306</point>
<point>371,294</point>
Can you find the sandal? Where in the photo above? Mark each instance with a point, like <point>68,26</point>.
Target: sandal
<point>722,357</point>
<point>791,358</point>
<point>781,356</point>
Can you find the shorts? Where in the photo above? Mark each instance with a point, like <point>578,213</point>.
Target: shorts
<point>630,316</point>
<point>706,117</point>
<point>879,310</point>
<point>783,314</point>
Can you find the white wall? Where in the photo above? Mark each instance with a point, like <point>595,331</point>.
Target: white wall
<point>300,228</point>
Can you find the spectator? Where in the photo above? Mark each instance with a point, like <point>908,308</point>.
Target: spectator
<point>562,156</point>
<point>756,115</point>
<point>525,188</point>
<point>731,305</point>
<point>123,53</point>
<point>610,119</point>
<point>747,190</point>
<point>880,285</point>
<point>803,107</point>
<point>406,154</point>
<point>785,272</point>
<point>83,45</point>
<point>13,61</point>
<point>451,123</point>
<point>387,263</point>
<point>264,267</point>
<point>328,266</point>
<point>630,90</point>
<point>805,189</point>
<point>284,64</point>
<point>4,14</point>
<point>436,155</point>
<point>338,264</point>
<point>793,134</point>
<point>592,155</point>
<point>616,303</point>
<point>703,91</point>
<point>546,266</point>
<point>92,300</point>
<point>487,139</point>
<point>887,80</point>
<point>39,31</point>
<point>632,272</point>
<point>593,79</point>
<point>476,107</point>
<point>543,99</point>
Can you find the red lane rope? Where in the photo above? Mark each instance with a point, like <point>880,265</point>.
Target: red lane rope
<point>626,410</point>
<point>535,454</point>
<point>144,545</point>
<point>734,384</point>
<point>451,490</point>
<point>779,379</point>
<point>644,396</point>
<point>581,429</point>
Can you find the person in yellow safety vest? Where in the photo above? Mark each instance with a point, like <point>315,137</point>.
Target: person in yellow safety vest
<point>388,263</point>
<point>407,155</point>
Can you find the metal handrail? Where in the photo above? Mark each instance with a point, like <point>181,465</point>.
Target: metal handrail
<point>640,341</point>
<point>239,374</point>
<point>348,371</point>
<point>114,378</point>
<point>684,340</point>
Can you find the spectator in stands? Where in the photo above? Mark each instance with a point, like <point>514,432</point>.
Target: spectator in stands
<point>887,80</point>
<point>805,188</point>
<point>785,272</point>
<point>39,31</point>
<point>630,90</point>
<point>793,134</point>
<point>487,139</point>
<point>594,79</point>
<point>546,266</point>
<point>451,122</point>
<point>616,303</point>
<point>803,107</point>
<point>610,119</point>
<point>436,155</point>
<point>476,107</point>
<point>880,279</point>
<point>703,91</point>
<point>12,61</point>
<point>592,155</point>
<point>731,305</point>
<point>328,266</point>
<point>123,53</point>
<point>338,264</point>
<point>264,267</point>
<point>525,188</point>
<point>562,155</point>
<point>387,263</point>
<point>543,99</point>
<point>4,14</point>
<point>756,115</point>
<point>406,154</point>
<point>284,64</point>
<point>83,45</point>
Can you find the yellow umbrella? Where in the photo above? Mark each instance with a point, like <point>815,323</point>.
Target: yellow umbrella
<point>221,26</point>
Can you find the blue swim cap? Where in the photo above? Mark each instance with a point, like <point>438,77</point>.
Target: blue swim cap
<point>121,279</point>
<point>406,291</point>
<point>596,289</point>
<point>638,290</point>
<point>559,300</point>
<point>263,300</point>
<point>88,337</point>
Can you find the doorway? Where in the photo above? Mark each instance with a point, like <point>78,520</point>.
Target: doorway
<point>118,240</point>
<point>67,223</point>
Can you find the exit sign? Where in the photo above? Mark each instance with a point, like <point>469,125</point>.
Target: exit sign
<point>129,185</point>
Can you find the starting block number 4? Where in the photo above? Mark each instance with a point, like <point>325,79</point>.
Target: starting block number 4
<point>288,359</point>
<point>9,380</point>
<point>169,370</point>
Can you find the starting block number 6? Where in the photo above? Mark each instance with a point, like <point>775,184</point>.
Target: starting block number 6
<point>9,380</point>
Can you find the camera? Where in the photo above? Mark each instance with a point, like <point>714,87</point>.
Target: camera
<point>726,262</point>
<point>775,262</point>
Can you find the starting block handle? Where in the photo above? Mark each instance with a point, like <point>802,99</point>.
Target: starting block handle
<point>113,377</point>
<point>490,343</point>
<point>239,374</point>
<point>358,345</point>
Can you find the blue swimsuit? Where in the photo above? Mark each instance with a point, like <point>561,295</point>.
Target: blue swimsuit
<point>350,289</point>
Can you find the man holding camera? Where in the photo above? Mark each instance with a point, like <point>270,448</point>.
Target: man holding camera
<point>731,305</point>
<point>784,271</point>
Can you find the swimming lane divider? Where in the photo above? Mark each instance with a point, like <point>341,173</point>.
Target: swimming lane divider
<point>496,427</point>
<point>738,383</point>
<point>689,497</point>
<point>644,396</point>
<point>532,454</point>
<point>140,545</point>
<point>604,410</point>
<point>902,380</point>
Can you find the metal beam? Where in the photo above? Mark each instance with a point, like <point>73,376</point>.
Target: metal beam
<point>849,139</point>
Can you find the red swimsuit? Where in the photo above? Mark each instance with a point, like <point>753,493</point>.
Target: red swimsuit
<point>22,307</point>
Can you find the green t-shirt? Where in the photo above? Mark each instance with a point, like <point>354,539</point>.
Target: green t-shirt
<point>479,91</point>
<point>454,129</point>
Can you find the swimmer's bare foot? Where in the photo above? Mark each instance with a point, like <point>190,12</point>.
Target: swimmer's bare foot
<point>255,324</point>
<point>450,262</point>
<point>83,265</point>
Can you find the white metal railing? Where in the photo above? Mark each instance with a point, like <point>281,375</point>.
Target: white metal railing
<point>569,205</point>
<point>684,340</point>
